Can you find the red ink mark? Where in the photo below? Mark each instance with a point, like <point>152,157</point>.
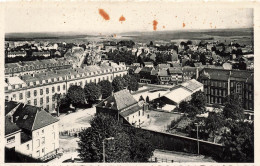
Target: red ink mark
<point>163,27</point>
<point>175,16</point>
<point>114,35</point>
<point>103,14</point>
<point>183,25</point>
<point>155,25</point>
<point>122,18</point>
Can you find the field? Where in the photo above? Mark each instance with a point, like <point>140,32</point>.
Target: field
<point>243,36</point>
<point>158,121</point>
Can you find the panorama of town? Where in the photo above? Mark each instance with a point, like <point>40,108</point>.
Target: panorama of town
<point>115,99</point>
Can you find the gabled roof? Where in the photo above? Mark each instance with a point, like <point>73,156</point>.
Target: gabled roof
<point>10,105</point>
<point>192,85</point>
<point>32,118</point>
<point>118,101</point>
<point>10,127</point>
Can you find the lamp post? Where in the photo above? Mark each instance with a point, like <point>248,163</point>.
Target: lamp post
<point>198,137</point>
<point>104,153</point>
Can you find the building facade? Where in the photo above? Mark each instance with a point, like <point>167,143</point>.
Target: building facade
<point>39,89</point>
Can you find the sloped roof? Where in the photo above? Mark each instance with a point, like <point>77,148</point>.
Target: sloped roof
<point>32,118</point>
<point>130,111</point>
<point>118,101</point>
<point>10,127</point>
<point>10,105</point>
<point>192,85</point>
<point>177,95</point>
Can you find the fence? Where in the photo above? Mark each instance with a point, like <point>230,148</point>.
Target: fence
<point>161,160</point>
<point>72,132</point>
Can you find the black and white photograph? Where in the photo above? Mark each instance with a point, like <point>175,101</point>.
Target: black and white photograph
<point>128,82</point>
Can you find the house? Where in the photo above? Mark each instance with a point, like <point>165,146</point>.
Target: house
<point>39,54</point>
<point>147,75</point>
<point>218,83</point>
<point>30,130</point>
<point>16,54</point>
<point>175,74</point>
<point>123,107</point>
<point>148,64</point>
<point>179,93</point>
<point>163,77</point>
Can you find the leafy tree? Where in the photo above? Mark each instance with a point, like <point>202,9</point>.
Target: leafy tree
<point>118,83</point>
<point>90,143</point>
<point>106,88</point>
<point>183,106</point>
<point>76,95</point>
<point>215,122</point>
<point>147,99</point>
<point>92,92</point>
<point>198,99</point>
<point>239,142</point>
<point>141,148</point>
<point>131,82</point>
<point>128,145</point>
<point>58,97</point>
<point>233,109</point>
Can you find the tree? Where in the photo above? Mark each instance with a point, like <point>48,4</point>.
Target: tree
<point>147,99</point>
<point>92,92</point>
<point>106,88</point>
<point>131,82</point>
<point>76,95</point>
<point>129,144</point>
<point>239,142</point>
<point>118,83</point>
<point>233,109</point>
<point>141,98</point>
<point>57,97</point>
<point>215,122</point>
<point>198,99</point>
<point>183,106</point>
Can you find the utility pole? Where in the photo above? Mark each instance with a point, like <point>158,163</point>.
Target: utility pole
<point>103,143</point>
<point>198,137</point>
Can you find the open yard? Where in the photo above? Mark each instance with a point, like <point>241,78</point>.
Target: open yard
<point>75,120</point>
<point>158,121</point>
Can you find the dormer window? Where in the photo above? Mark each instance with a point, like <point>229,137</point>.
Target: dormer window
<point>25,117</point>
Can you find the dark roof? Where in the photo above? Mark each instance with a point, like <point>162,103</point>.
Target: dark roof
<point>146,69</point>
<point>25,137</point>
<point>32,118</point>
<point>10,105</point>
<point>175,70</point>
<point>130,110</point>
<point>118,101</point>
<point>10,127</point>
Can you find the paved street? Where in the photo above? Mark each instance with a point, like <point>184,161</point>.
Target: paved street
<point>169,156</point>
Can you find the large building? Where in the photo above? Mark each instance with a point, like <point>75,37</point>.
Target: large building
<point>219,83</point>
<point>30,130</point>
<point>38,66</point>
<point>38,89</point>
<point>124,107</point>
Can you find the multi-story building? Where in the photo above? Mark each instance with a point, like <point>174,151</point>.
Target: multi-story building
<point>16,54</point>
<point>219,83</point>
<point>30,130</point>
<point>38,89</point>
<point>38,66</point>
<point>44,54</point>
<point>123,107</point>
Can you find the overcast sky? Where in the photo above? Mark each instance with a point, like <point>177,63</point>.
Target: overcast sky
<point>57,17</point>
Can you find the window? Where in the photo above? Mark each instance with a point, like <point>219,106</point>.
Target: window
<point>14,96</point>
<point>38,153</point>
<point>41,91</point>
<point>28,94</point>
<point>35,92</point>
<point>35,102</point>
<point>47,99</point>
<point>220,94</point>
<point>37,143</point>
<point>43,150</point>
<point>216,92</point>
<point>139,113</point>
<point>224,93</point>
<point>64,87</point>
<point>53,89</point>
<point>20,96</point>
<point>47,107</point>
<point>53,97</point>
<point>143,112</point>
<point>28,146</point>
<point>47,90</point>
<point>41,101</point>
<point>43,140</point>
<point>58,88</point>
<point>11,139</point>
<point>250,96</point>
<point>239,88</point>
<point>29,102</point>
<point>232,84</point>
<point>127,118</point>
<point>42,131</point>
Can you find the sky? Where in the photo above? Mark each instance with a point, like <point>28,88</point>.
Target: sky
<point>137,16</point>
